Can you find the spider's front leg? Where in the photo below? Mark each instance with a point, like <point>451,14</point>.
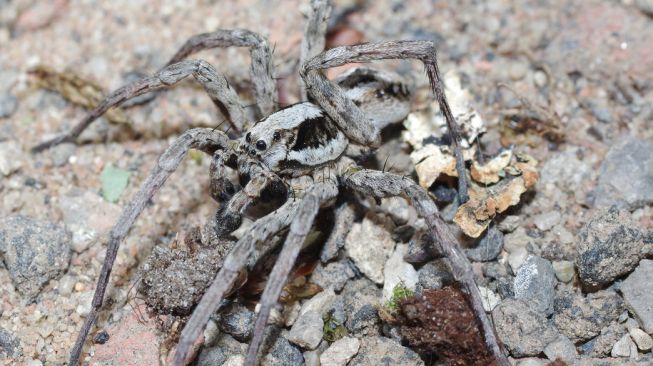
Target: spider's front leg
<point>318,194</point>
<point>350,118</point>
<point>203,139</point>
<point>261,231</point>
<point>214,83</point>
<point>379,184</point>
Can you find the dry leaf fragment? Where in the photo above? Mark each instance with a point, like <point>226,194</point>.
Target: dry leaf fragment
<point>489,173</point>
<point>77,90</point>
<point>485,203</point>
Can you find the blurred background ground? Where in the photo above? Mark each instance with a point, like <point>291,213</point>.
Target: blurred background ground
<point>590,63</point>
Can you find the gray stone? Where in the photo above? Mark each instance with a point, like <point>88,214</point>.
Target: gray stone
<point>307,330</point>
<point>61,153</point>
<point>625,347</point>
<point>398,208</point>
<point>34,252</point>
<point>610,246</point>
<point>644,341</point>
<point>433,275</point>
<point>509,223</point>
<point>398,272</point>
<point>532,361</point>
<point>11,157</point>
<point>333,275</point>
<point>535,284</point>
<point>312,358</point>
<point>320,303</point>
<point>8,105</point>
<point>562,348</point>
<point>369,246</point>
<point>602,345</point>
<point>626,175</point>
<point>488,248</point>
<point>360,298</point>
<point>220,353</point>
<point>581,318</point>
<point>9,345</point>
<point>637,291</point>
<point>375,351</point>
<point>340,352</point>
<point>516,240</point>
<point>524,331</point>
<point>282,353</point>
<point>237,321</point>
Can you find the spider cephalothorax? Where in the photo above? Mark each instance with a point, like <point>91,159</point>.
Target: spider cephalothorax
<point>295,139</point>
<point>302,148</point>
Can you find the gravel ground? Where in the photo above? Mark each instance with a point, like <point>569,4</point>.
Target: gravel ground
<point>576,251</point>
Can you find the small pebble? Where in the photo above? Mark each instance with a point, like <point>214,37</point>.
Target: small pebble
<point>637,290</point>
<point>509,223</point>
<point>101,337</point>
<point>8,105</point>
<point>515,240</point>
<point>625,347</point>
<point>644,341</point>
<point>340,352</point>
<point>11,157</point>
<point>540,78</point>
<point>488,248</point>
<point>564,270</point>
<point>489,299</point>
<point>535,284</point>
<point>397,271</point>
<point>307,330</point>
<point>545,221</point>
<point>370,259</point>
<point>517,258</point>
<point>518,70</point>
<point>562,348</point>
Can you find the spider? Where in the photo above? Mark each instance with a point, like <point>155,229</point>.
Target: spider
<point>304,148</point>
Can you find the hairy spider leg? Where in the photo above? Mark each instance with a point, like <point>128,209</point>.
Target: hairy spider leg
<point>200,138</point>
<point>350,118</point>
<point>214,83</point>
<point>314,38</point>
<point>265,89</point>
<point>379,184</point>
<point>301,225</point>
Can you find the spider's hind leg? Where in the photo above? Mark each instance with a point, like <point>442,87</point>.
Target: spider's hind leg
<point>379,184</point>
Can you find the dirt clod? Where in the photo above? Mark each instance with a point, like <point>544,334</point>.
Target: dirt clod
<point>441,322</point>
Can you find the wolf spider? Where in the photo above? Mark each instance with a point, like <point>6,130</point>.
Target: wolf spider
<point>303,148</point>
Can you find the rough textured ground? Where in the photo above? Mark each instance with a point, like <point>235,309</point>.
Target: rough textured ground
<point>589,64</point>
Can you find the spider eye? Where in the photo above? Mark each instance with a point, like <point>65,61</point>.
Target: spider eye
<point>276,136</point>
<point>260,144</point>
<point>248,137</point>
